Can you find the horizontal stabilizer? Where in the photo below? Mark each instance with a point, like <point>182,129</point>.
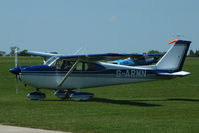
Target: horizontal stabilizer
<point>177,74</point>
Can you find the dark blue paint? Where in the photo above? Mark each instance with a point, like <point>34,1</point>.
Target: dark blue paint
<point>15,70</point>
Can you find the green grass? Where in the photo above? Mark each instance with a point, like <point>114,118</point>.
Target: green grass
<point>170,106</point>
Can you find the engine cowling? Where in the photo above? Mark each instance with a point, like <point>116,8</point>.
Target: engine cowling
<point>36,95</point>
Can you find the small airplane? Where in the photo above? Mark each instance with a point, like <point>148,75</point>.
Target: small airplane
<point>64,73</point>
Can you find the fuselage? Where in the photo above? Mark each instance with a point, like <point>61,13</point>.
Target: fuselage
<point>102,74</point>
<point>66,72</point>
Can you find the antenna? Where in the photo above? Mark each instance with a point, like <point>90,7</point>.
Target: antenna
<point>78,50</point>
<point>82,49</point>
<point>178,36</point>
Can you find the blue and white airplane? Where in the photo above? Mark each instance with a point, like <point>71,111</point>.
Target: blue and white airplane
<point>64,73</point>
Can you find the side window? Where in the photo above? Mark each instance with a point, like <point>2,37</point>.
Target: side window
<point>79,66</point>
<point>61,64</point>
<point>66,65</point>
<point>92,67</point>
<point>58,64</point>
<point>85,66</point>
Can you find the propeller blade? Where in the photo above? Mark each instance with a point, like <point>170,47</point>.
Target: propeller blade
<point>16,65</point>
<point>16,85</point>
<point>16,58</point>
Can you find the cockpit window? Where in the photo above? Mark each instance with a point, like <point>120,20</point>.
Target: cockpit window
<point>66,65</point>
<point>62,64</point>
<point>52,60</point>
<point>79,67</point>
<point>58,64</point>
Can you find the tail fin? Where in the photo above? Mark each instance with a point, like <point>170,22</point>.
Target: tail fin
<point>174,58</point>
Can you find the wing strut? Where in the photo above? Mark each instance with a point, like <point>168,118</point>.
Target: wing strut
<point>68,73</point>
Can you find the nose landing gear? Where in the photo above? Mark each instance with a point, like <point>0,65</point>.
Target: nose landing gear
<point>37,95</point>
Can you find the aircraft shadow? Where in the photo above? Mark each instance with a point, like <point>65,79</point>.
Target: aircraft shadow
<point>124,102</point>
<point>111,101</point>
<point>54,100</point>
<point>173,99</point>
<point>183,99</point>
<point>140,103</point>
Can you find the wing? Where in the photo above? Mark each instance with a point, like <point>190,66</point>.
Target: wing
<point>43,54</point>
<point>89,57</point>
<point>98,57</point>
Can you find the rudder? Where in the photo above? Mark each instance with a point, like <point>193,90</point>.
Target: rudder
<point>174,57</point>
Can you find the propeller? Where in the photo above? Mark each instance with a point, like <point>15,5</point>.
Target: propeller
<point>16,58</point>
<point>16,65</point>
<point>16,85</point>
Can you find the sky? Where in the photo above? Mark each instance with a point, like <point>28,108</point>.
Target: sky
<point>97,26</point>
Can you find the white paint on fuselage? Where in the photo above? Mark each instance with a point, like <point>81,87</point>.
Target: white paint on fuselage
<point>122,75</point>
<point>75,81</point>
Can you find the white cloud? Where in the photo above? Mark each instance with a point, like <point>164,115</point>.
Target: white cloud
<point>112,18</point>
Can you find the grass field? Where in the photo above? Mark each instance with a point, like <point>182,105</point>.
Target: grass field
<point>170,106</point>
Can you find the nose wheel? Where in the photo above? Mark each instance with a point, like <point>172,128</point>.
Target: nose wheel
<point>37,95</point>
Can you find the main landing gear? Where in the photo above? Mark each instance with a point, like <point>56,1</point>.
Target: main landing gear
<point>77,96</point>
<point>63,94</point>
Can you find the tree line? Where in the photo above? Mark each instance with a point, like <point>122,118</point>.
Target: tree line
<point>194,54</point>
<point>12,52</point>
